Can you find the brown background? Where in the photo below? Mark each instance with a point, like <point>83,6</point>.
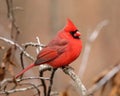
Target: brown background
<point>43,18</point>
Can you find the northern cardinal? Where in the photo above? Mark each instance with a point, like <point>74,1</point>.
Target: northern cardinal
<point>61,50</point>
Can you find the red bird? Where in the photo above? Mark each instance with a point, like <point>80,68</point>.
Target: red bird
<point>60,51</point>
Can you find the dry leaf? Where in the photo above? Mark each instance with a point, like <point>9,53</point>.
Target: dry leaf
<point>2,47</point>
<point>65,93</point>
<point>111,76</point>
<point>115,90</point>
<point>8,63</point>
<point>2,73</point>
<point>7,55</point>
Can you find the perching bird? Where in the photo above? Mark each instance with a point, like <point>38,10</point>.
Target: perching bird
<point>64,48</point>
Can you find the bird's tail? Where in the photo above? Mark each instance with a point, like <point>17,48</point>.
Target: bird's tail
<point>24,70</point>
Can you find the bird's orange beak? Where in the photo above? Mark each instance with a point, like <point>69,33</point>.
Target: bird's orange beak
<point>77,34</point>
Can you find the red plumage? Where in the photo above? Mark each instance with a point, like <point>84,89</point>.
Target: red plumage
<point>62,50</point>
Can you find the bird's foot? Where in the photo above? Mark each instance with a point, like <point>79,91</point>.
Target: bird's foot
<point>67,67</point>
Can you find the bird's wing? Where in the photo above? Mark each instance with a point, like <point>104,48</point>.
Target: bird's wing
<point>51,52</point>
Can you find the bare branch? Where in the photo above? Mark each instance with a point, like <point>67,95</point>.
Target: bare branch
<point>105,79</point>
<point>33,44</point>
<point>40,47</point>
<point>19,90</point>
<point>76,79</point>
<point>18,8</point>
<point>97,31</point>
<point>33,85</point>
<point>93,36</point>
<point>11,17</point>
<point>18,46</point>
<point>43,84</point>
<point>42,69</point>
<point>22,79</point>
<point>28,78</point>
<point>25,47</point>
<point>54,94</point>
<point>7,81</point>
<point>45,67</point>
<point>51,82</point>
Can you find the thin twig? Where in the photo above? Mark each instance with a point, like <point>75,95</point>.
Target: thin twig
<point>21,58</point>
<point>91,38</point>
<point>51,81</point>
<point>43,84</point>
<point>42,69</point>
<point>5,83</point>
<point>18,8</point>
<point>33,44</point>
<point>40,47</point>
<point>54,93</point>
<point>10,80</point>
<point>18,46</point>
<point>24,50</point>
<point>33,85</point>
<point>29,78</point>
<point>19,90</point>
<point>8,8</point>
<point>11,16</point>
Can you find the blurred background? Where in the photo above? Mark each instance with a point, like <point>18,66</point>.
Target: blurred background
<point>43,18</point>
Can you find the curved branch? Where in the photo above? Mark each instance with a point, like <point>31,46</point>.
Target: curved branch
<point>18,46</point>
<point>76,79</point>
<point>19,90</point>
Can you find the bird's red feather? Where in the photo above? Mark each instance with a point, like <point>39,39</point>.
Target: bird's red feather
<point>60,51</point>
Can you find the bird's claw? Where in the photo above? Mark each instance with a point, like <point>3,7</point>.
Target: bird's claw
<point>67,67</point>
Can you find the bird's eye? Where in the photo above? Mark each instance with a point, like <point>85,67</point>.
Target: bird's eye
<point>73,33</point>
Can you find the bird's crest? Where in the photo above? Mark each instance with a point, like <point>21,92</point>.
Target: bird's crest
<point>70,26</point>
